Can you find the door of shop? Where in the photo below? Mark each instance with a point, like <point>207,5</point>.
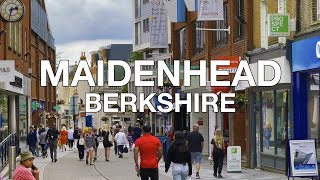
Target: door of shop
<point>257,126</point>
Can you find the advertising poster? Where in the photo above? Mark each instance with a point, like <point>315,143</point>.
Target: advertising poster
<point>303,158</point>
<point>158,25</point>
<point>234,159</point>
<point>210,10</point>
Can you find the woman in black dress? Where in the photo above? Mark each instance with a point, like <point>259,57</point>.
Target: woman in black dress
<point>106,141</point>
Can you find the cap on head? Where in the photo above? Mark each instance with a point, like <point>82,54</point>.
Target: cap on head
<point>25,155</point>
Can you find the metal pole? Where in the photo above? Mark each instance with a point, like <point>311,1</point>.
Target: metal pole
<point>12,160</point>
<point>74,112</point>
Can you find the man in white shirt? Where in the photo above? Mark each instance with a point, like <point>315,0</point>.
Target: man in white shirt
<point>70,138</point>
<point>121,141</point>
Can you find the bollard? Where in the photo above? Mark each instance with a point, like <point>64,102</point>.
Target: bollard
<point>12,160</point>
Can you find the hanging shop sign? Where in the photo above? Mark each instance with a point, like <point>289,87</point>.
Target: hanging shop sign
<point>210,10</point>
<point>7,67</point>
<point>234,63</point>
<point>303,158</point>
<point>176,10</point>
<point>234,159</point>
<point>279,25</point>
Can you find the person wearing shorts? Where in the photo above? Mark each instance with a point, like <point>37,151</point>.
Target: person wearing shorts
<point>195,146</point>
<point>90,145</point>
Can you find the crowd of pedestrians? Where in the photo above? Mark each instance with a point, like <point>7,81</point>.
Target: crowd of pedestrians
<point>185,149</point>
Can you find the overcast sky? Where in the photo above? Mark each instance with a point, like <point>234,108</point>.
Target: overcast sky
<point>86,25</point>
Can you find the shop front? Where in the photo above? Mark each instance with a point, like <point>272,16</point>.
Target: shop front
<point>270,114</point>
<point>305,89</point>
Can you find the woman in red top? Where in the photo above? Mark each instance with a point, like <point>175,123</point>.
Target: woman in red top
<point>63,137</point>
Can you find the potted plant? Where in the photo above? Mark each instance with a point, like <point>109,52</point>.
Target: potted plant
<point>104,118</point>
<point>241,99</point>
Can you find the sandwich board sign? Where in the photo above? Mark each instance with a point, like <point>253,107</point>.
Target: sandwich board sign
<point>303,158</point>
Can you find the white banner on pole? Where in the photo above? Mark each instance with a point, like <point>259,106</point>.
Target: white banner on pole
<point>158,25</point>
<point>191,5</point>
<point>171,6</point>
<point>210,10</point>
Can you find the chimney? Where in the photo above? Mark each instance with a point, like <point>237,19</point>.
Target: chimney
<point>83,56</point>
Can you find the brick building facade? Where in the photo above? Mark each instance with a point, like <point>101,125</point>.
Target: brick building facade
<point>27,42</point>
<point>189,43</point>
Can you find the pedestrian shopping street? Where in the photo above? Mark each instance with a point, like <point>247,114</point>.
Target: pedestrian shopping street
<point>68,166</point>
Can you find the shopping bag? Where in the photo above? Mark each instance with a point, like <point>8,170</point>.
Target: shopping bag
<point>46,146</point>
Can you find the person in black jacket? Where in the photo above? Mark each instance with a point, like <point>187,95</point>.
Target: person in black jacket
<point>52,138</point>
<point>180,156</point>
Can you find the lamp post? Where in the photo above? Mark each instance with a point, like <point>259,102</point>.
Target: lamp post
<point>74,104</point>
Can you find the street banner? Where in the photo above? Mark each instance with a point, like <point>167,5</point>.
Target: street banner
<point>303,158</point>
<point>176,10</point>
<point>192,5</point>
<point>279,25</point>
<point>159,25</point>
<point>210,10</point>
<point>7,68</point>
<point>234,159</point>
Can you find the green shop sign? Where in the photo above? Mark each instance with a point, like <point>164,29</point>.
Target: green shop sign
<point>279,25</point>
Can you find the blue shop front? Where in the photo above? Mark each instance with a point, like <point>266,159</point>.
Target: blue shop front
<point>305,89</point>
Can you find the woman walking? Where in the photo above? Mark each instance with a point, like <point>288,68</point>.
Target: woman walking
<point>64,138</point>
<point>217,144</point>
<point>106,141</point>
<point>181,158</point>
<point>96,143</point>
<point>43,142</point>
<point>121,142</point>
<point>80,144</point>
<point>90,144</point>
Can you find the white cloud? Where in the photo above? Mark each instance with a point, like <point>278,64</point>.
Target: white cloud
<point>72,51</point>
<point>72,20</point>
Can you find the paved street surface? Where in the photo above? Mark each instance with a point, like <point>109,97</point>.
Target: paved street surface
<point>68,166</point>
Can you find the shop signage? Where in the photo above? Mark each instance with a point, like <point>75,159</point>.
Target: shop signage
<point>234,63</point>
<point>279,25</point>
<point>306,54</point>
<point>303,158</point>
<point>318,49</point>
<point>7,67</point>
<point>234,159</point>
<point>210,10</point>
<point>17,82</point>
<point>200,123</point>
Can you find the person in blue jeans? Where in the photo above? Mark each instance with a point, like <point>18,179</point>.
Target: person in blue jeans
<point>32,140</point>
<point>180,156</point>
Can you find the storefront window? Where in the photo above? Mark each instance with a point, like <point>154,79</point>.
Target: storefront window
<point>23,130</point>
<point>268,122</point>
<point>282,114</point>
<point>4,125</point>
<point>313,107</point>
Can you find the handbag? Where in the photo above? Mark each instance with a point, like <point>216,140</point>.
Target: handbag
<point>81,141</point>
<point>125,149</point>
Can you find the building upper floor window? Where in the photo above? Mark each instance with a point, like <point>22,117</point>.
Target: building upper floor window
<point>137,6</point>
<point>198,37</point>
<point>137,33</point>
<point>15,37</point>
<point>221,37</point>
<point>146,25</point>
<point>240,19</point>
<point>315,10</point>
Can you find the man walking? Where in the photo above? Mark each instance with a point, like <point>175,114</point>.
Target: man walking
<point>52,138</point>
<point>195,146</point>
<point>150,150</point>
